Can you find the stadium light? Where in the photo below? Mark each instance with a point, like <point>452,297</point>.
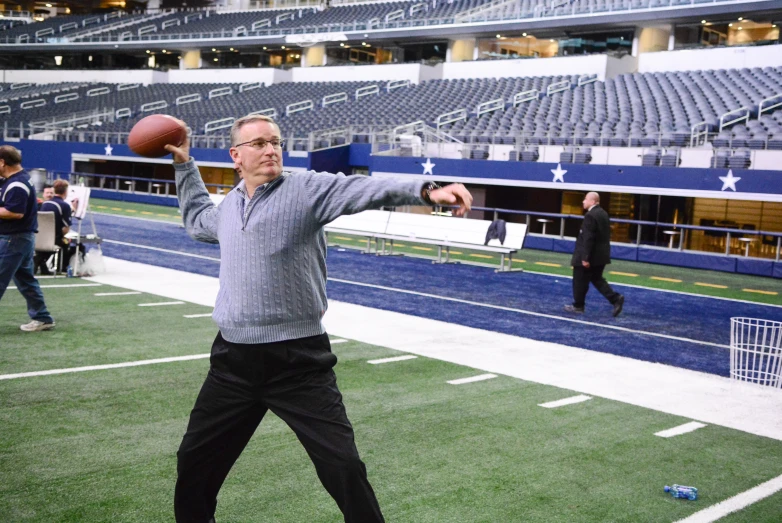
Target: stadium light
<point>264,47</point>
<point>741,18</point>
<point>48,5</point>
<point>498,36</point>
<point>58,60</point>
<point>523,34</point>
<point>703,21</point>
<point>730,25</point>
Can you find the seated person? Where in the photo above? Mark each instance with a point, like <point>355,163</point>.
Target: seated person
<point>62,224</point>
<point>48,194</point>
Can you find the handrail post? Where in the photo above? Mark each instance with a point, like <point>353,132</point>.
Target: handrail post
<point>562,228</point>
<point>638,236</point>
<point>779,244</point>
<point>727,244</point>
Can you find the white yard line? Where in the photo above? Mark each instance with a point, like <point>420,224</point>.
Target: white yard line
<point>102,367</point>
<point>472,379</point>
<point>736,503</point>
<point>336,341</point>
<point>710,399</point>
<point>681,429</point>
<point>565,401</point>
<point>531,313</point>
<point>158,304</point>
<point>117,293</point>
<point>65,285</point>
<point>391,360</point>
<point>207,315</point>
<point>168,251</point>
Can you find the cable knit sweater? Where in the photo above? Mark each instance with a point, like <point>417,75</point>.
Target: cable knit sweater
<point>273,248</point>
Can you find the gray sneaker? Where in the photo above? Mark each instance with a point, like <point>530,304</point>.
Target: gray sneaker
<point>36,325</point>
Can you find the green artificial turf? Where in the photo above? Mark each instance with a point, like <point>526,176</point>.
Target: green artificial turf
<point>100,445</point>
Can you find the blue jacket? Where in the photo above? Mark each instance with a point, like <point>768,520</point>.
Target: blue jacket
<point>17,195</point>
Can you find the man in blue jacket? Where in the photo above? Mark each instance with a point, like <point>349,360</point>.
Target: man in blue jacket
<point>272,351</point>
<point>18,225</point>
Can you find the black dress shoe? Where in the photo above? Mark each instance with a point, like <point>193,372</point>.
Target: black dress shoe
<point>574,309</point>
<point>618,304</point>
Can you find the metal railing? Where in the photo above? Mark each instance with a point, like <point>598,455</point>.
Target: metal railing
<point>498,15</point>
<point>130,184</point>
<point>729,240</point>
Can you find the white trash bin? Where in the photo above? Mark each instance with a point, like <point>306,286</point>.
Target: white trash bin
<point>756,351</point>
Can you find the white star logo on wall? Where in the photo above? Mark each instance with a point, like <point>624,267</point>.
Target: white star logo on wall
<point>108,149</point>
<point>428,166</point>
<point>559,174</point>
<point>729,181</point>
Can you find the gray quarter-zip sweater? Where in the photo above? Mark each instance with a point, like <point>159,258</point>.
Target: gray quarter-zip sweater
<point>273,248</point>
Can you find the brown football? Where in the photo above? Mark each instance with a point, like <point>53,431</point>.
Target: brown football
<point>150,135</point>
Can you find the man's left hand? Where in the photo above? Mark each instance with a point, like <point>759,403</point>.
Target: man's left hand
<point>454,194</point>
<point>585,264</point>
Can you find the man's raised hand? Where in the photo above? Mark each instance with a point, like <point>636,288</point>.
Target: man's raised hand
<point>453,194</point>
<point>181,153</point>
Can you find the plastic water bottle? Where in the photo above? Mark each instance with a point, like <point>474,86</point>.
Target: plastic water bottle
<point>681,491</point>
<point>69,274</point>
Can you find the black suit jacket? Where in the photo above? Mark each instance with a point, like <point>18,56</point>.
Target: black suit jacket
<point>594,240</point>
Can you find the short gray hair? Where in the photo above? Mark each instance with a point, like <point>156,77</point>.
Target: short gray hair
<point>244,120</point>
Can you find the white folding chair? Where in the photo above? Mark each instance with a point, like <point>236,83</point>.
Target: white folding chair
<point>45,238</point>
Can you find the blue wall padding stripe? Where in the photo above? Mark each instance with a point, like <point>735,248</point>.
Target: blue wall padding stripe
<point>624,252</point>
<point>543,243</point>
<point>754,266</point>
<point>686,259</point>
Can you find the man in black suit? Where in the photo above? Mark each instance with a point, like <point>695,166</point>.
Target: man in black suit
<point>591,255</point>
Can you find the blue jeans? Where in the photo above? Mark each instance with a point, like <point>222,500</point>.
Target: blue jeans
<point>16,262</point>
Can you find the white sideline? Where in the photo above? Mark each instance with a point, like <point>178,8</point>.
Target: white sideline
<point>710,399</point>
<point>101,367</point>
<point>207,315</point>
<point>736,503</point>
<point>530,313</point>
<point>565,401</point>
<point>334,342</point>
<point>472,379</point>
<point>681,429</point>
<point>158,304</point>
<point>391,360</point>
<point>117,293</point>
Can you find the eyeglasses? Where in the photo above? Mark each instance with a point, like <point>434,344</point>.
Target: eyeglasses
<point>261,144</point>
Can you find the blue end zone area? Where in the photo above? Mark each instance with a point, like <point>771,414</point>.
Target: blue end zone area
<point>662,327</point>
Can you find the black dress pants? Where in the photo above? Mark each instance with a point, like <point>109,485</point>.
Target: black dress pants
<point>582,277</point>
<point>294,379</point>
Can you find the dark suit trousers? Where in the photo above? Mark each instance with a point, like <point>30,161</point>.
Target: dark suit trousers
<point>294,379</point>
<point>582,277</point>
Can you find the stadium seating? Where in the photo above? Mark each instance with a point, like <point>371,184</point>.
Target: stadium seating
<point>394,14</point>
<point>652,110</point>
